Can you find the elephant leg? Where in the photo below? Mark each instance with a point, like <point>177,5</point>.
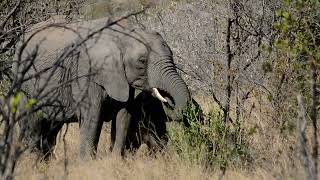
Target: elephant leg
<point>122,126</point>
<point>89,136</point>
<point>91,123</point>
<point>131,138</point>
<point>110,108</point>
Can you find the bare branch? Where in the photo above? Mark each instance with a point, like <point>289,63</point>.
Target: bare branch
<point>313,116</point>
<point>302,124</point>
<point>14,10</point>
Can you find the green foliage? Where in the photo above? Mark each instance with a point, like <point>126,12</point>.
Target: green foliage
<point>297,46</point>
<point>299,29</point>
<point>17,101</point>
<point>215,144</point>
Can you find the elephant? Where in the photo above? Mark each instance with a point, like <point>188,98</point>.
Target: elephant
<point>89,71</point>
<point>148,122</point>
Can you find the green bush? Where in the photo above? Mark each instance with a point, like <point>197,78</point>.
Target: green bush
<point>214,144</point>
<point>298,50</point>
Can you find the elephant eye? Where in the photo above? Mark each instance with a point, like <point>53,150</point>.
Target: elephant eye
<point>143,60</point>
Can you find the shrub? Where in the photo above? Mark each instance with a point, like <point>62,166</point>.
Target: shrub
<point>215,144</point>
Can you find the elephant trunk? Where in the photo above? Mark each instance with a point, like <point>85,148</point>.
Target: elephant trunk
<point>166,78</point>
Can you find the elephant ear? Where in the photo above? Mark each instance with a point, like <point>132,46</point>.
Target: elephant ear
<point>114,80</point>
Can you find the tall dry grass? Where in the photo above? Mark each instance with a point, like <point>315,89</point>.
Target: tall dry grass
<point>274,156</point>
<point>139,166</point>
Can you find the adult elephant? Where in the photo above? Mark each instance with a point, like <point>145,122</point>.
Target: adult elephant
<point>88,71</point>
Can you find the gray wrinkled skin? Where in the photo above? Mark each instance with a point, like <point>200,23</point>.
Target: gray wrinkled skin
<point>118,62</point>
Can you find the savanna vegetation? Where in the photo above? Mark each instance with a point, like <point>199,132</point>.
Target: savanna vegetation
<point>253,66</point>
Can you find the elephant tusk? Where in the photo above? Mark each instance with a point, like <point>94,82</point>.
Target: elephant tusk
<point>155,93</point>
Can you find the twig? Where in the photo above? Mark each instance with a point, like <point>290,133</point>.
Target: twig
<point>9,15</point>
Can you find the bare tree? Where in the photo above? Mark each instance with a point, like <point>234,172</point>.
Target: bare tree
<point>218,47</point>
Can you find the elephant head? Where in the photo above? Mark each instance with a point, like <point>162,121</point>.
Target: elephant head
<point>147,65</point>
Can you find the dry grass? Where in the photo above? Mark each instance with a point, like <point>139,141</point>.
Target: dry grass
<point>133,167</point>
<point>140,166</point>
<point>275,158</point>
